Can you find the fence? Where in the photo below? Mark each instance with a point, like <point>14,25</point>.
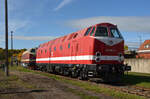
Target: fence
<point>139,65</point>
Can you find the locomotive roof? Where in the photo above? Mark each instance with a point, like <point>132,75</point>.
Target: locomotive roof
<point>28,51</point>
<point>78,34</point>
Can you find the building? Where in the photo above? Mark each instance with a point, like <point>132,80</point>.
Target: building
<point>144,50</point>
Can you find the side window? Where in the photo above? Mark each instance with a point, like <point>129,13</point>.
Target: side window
<point>75,35</point>
<point>49,49</point>
<point>69,45</point>
<point>61,48</point>
<point>88,31</point>
<point>93,31</point>
<point>54,48</point>
<point>41,51</point>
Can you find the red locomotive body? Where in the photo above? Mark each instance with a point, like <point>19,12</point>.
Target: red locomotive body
<point>28,58</point>
<point>96,51</point>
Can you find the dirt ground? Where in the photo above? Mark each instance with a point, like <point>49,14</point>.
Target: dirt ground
<point>42,87</point>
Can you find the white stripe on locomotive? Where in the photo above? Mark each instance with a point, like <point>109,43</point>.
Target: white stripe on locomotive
<point>85,57</point>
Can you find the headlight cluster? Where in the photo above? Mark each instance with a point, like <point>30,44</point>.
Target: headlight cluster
<point>121,57</point>
<point>98,57</point>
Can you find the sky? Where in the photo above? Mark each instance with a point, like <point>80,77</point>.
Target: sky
<point>37,21</point>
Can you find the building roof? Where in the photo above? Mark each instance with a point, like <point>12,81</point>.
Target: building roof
<point>145,47</point>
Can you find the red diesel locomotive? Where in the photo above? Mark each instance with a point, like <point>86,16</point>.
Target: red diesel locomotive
<point>28,59</point>
<point>94,52</point>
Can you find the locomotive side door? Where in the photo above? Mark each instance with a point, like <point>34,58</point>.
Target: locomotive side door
<point>75,50</point>
<point>72,54</point>
<point>49,57</point>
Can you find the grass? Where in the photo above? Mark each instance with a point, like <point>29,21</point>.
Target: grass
<point>5,82</point>
<point>82,94</point>
<point>137,79</point>
<point>76,92</point>
<point>88,86</point>
<point>12,81</point>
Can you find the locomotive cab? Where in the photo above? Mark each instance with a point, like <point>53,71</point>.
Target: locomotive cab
<point>107,32</point>
<point>108,51</point>
<point>108,45</point>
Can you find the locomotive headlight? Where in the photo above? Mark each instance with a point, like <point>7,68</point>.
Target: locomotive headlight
<point>98,54</point>
<point>97,59</point>
<point>121,57</point>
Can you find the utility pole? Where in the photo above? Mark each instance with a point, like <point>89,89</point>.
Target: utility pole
<point>140,39</point>
<point>6,39</point>
<point>12,48</point>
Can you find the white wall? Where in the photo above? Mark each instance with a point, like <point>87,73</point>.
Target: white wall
<point>139,65</point>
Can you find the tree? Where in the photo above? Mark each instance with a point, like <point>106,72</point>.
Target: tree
<point>125,47</point>
<point>2,55</point>
<point>15,52</point>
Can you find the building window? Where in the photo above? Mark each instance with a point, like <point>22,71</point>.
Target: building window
<point>45,51</point>
<point>147,46</point>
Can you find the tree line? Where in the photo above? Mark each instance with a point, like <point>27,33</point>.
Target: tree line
<point>15,53</point>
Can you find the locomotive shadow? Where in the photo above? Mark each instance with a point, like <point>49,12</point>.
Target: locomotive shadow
<point>129,80</point>
<point>135,79</point>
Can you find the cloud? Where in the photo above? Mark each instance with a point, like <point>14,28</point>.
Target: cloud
<point>15,25</point>
<point>62,4</point>
<point>132,44</point>
<point>34,38</point>
<point>125,23</point>
<point>18,24</point>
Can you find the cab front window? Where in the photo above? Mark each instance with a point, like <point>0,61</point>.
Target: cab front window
<point>101,31</point>
<point>115,33</point>
<point>32,50</point>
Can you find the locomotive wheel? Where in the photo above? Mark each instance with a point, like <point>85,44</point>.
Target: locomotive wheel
<point>44,69</point>
<point>83,75</point>
<point>80,76</point>
<point>61,71</point>
<point>74,74</point>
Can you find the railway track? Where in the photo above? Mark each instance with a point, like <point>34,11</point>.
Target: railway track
<point>140,91</point>
<point>121,87</point>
